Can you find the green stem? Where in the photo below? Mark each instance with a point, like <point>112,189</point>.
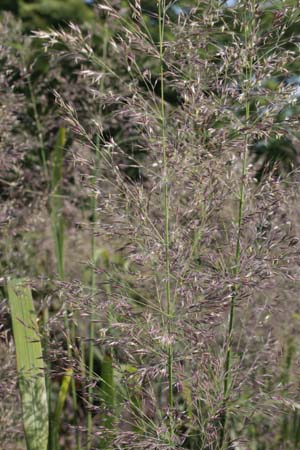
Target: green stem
<point>56,203</point>
<point>228,359</point>
<point>93,260</point>
<point>166,193</point>
<point>70,337</point>
<point>93,288</point>
<point>236,270</point>
<point>39,128</point>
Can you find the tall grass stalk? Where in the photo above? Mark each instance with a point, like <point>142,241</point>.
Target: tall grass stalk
<point>93,289</point>
<point>36,116</point>
<point>57,220</point>
<point>238,250</point>
<point>56,202</point>
<point>166,187</point>
<point>93,261</point>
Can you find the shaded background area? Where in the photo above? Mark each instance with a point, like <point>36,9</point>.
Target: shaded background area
<point>281,155</point>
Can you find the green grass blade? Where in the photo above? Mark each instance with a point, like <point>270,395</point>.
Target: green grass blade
<point>57,221</point>
<point>64,387</point>
<point>56,202</point>
<point>57,159</point>
<point>30,365</point>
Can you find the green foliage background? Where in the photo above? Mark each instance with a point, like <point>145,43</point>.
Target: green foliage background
<point>43,13</point>
<point>279,155</point>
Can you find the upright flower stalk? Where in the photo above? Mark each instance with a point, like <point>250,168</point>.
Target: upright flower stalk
<point>238,250</point>
<point>166,195</point>
<point>92,317</point>
<point>93,261</point>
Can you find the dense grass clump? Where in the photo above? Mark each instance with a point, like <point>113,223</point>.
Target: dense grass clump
<point>167,303</point>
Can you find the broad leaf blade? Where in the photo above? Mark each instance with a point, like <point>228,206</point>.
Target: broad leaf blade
<point>30,365</point>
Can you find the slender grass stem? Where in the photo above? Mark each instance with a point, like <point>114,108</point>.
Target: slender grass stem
<point>93,260</point>
<point>93,288</point>
<point>166,193</point>
<point>230,333</point>
<point>70,334</point>
<point>39,127</point>
<point>58,236</point>
<point>238,250</point>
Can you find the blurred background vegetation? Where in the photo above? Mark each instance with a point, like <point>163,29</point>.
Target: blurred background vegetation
<point>281,155</point>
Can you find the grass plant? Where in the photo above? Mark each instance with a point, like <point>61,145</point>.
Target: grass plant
<point>180,330</point>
